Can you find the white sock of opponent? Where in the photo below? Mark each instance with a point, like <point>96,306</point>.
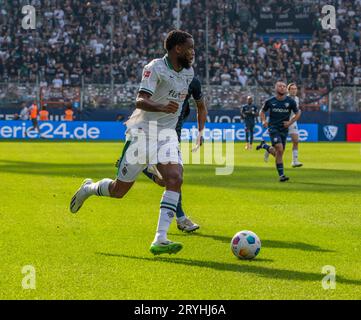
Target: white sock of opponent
<point>100,188</point>
<point>168,207</point>
<point>295,155</point>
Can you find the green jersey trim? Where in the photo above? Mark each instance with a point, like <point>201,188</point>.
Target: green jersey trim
<point>146,90</point>
<point>169,64</point>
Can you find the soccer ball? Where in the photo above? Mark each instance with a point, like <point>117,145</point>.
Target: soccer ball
<point>245,245</point>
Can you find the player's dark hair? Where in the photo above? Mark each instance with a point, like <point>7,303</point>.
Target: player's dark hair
<point>175,37</point>
<point>280,80</point>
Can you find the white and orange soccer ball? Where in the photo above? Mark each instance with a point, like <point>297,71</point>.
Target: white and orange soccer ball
<point>245,245</point>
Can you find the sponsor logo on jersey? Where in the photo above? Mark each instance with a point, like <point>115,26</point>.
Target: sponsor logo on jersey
<point>330,132</point>
<point>177,95</point>
<point>280,110</point>
<point>146,74</point>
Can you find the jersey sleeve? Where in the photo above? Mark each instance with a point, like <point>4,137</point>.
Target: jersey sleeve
<point>294,106</point>
<point>149,79</point>
<point>196,89</point>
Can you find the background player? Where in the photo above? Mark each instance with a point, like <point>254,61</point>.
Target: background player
<point>293,129</point>
<point>249,113</point>
<point>279,107</point>
<point>163,89</point>
<point>184,223</point>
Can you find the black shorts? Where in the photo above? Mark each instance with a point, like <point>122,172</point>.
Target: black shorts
<point>35,122</point>
<point>278,137</point>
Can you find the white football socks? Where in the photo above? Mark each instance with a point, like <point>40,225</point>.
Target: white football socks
<point>168,207</point>
<point>295,155</point>
<point>100,188</point>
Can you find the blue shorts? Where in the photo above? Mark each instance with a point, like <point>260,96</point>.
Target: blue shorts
<point>278,137</point>
<point>249,126</point>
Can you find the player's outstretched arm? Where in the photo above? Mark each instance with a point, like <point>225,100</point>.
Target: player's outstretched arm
<point>296,117</point>
<point>144,102</point>
<point>262,115</point>
<point>202,113</point>
<point>201,118</point>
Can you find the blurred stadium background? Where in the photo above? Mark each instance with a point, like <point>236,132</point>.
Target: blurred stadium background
<point>91,53</point>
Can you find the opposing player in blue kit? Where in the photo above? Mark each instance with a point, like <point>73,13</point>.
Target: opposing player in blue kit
<point>249,113</point>
<point>280,108</point>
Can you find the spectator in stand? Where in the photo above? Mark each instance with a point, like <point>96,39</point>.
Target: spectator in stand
<point>24,113</point>
<point>44,114</point>
<point>69,114</point>
<point>72,39</point>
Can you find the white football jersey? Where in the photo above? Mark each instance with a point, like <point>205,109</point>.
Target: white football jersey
<point>297,99</point>
<point>164,84</point>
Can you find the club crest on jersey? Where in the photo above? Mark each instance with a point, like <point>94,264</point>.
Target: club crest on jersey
<point>287,105</point>
<point>330,132</point>
<point>146,74</point>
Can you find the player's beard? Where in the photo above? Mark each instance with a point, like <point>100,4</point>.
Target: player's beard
<point>184,62</point>
<point>281,94</point>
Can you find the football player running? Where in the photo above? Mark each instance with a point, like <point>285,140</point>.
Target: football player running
<point>280,107</point>
<point>184,223</point>
<point>162,91</point>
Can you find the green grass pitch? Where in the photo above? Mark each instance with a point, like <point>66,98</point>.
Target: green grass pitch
<point>102,252</point>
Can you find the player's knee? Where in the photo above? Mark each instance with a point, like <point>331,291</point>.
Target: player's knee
<point>174,180</point>
<point>279,149</point>
<point>159,182</point>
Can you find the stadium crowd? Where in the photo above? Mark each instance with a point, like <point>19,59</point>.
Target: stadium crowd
<point>72,40</point>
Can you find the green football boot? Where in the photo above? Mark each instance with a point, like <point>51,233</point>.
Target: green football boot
<point>165,247</point>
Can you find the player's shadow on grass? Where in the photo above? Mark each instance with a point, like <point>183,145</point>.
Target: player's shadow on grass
<point>244,266</point>
<point>261,178</point>
<point>265,243</point>
<point>328,185</point>
<point>243,177</point>
<point>95,170</point>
